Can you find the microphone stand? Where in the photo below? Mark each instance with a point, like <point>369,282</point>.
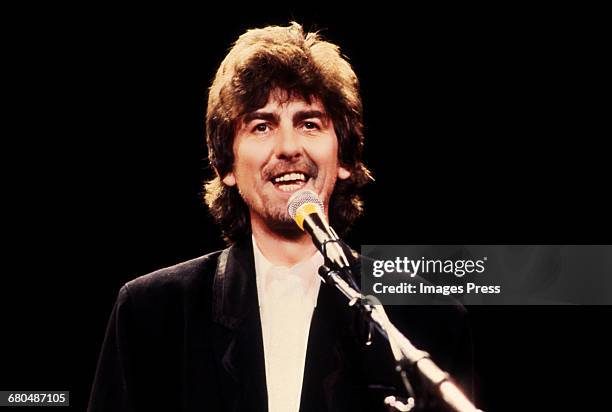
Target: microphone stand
<point>406,355</point>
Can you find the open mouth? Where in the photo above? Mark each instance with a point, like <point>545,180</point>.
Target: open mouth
<point>290,181</point>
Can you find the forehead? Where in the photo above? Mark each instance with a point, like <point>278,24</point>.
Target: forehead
<point>280,100</point>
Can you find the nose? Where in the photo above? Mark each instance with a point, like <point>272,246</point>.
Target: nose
<point>288,144</point>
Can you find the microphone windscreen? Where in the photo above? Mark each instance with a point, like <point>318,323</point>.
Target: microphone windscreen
<point>301,198</point>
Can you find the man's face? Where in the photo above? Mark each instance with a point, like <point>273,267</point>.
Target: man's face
<point>283,147</point>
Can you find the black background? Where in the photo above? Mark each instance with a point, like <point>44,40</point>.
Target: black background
<point>483,126</point>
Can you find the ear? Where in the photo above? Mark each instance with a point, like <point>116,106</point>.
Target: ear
<point>343,173</point>
<point>229,179</point>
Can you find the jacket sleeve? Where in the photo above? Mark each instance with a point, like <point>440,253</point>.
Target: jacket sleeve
<point>111,386</point>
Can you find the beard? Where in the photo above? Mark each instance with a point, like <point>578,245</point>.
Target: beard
<point>274,215</point>
<point>269,210</point>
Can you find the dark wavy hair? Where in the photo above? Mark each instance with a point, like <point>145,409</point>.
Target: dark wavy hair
<point>303,65</point>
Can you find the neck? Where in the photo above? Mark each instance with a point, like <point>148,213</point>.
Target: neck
<point>282,248</point>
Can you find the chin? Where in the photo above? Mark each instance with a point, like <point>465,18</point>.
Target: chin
<point>285,226</point>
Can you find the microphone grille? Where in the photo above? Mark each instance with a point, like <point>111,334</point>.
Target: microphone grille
<point>300,198</point>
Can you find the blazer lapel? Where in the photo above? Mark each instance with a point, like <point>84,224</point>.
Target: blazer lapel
<point>333,342</point>
<point>237,337</point>
<point>327,385</point>
<point>238,343</point>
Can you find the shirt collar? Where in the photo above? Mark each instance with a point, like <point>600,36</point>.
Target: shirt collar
<point>306,271</point>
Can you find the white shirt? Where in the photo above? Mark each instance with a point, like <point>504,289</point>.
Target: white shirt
<point>287,298</point>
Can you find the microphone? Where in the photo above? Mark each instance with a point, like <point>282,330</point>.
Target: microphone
<point>306,209</point>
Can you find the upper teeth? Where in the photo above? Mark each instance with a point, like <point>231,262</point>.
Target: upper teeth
<point>290,176</point>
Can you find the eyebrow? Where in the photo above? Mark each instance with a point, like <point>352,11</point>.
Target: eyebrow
<point>273,117</point>
<point>307,114</point>
<point>257,115</point>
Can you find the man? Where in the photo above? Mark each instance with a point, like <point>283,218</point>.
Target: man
<point>252,327</point>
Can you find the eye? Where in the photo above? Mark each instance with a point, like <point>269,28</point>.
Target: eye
<point>261,128</point>
<point>311,126</point>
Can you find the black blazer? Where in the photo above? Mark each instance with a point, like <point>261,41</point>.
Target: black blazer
<point>188,338</point>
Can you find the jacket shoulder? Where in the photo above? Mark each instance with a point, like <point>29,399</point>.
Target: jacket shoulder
<point>177,279</point>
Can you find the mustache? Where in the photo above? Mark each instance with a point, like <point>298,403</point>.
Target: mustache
<point>304,166</point>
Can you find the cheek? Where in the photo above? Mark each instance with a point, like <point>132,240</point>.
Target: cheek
<point>325,153</point>
<point>246,158</point>
<point>332,160</point>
